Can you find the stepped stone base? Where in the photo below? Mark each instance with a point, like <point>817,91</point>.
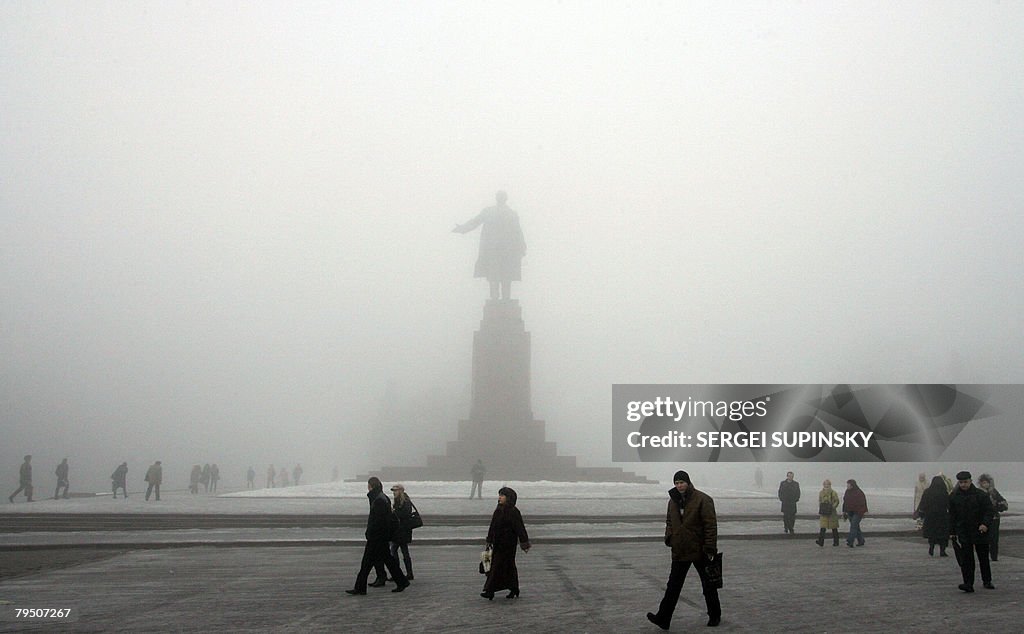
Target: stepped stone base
<point>501,430</point>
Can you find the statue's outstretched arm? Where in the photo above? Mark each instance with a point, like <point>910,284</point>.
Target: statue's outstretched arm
<point>468,226</point>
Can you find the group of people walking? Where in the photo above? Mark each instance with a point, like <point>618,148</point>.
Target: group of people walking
<point>854,508</point>
<point>277,478</point>
<point>966,516</point>
<point>208,475</point>
<point>118,480</point>
<point>389,529</point>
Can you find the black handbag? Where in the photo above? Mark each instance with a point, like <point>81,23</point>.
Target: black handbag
<point>415,520</point>
<point>825,508</point>
<point>713,571</point>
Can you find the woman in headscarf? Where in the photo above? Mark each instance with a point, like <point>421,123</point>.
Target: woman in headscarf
<point>934,510</point>
<point>506,532</point>
<point>999,504</point>
<point>828,499</point>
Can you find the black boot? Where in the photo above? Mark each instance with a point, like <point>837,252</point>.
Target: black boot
<point>379,582</point>
<point>835,536</point>
<point>931,550</point>
<point>821,538</point>
<point>653,618</point>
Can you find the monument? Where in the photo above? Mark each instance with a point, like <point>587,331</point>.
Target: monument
<point>501,430</point>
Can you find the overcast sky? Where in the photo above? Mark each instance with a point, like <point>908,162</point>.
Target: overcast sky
<point>225,227</point>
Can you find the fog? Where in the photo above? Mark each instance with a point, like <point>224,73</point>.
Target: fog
<point>225,229</point>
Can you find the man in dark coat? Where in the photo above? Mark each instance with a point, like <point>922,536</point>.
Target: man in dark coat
<point>970,514</point>
<point>379,530</point>
<point>477,472</point>
<point>154,476</point>
<point>24,480</point>
<point>62,480</point>
<point>691,529</point>
<point>789,495</point>
<point>119,480</point>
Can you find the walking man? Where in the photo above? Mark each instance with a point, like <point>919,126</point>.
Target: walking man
<point>62,480</point>
<point>478,472</point>
<point>154,476</point>
<point>379,531</point>
<point>970,515</point>
<point>691,530</point>
<point>119,480</point>
<point>24,480</point>
<point>789,495</point>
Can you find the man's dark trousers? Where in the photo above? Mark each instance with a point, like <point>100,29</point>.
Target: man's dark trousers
<point>967,563</point>
<point>675,586</point>
<point>376,551</point>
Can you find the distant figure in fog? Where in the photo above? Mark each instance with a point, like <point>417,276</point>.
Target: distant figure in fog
<point>204,477</point>
<point>789,495</point>
<point>283,477</point>
<point>947,481</point>
<point>250,478</point>
<point>828,500</point>
<point>62,480</point>
<point>154,476</point>
<point>214,476</point>
<point>335,473</point>
<point>759,478</point>
<point>999,504</point>
<point>934,512</point>
<point>855,507</point>
<point>919,488</point>
<point>119,480</point>
<point>193,479</point>
<point>477,473</point>
<point>296,474</point>
<point>270,477</point>
<point>24,480</point>
<point>502,246</point>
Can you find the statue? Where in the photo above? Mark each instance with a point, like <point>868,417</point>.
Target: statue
<point>501,246</point>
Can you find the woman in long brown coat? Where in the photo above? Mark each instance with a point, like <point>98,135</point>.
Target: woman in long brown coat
<point>505,534</point>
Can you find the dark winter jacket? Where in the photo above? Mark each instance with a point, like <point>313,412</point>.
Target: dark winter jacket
<point>967,511</point>
<point>25,474</point>
<point>855,502</point>
<point>934,509</point>
<point>789,495</point>
<point>691,525</point>
<point>507,528</point>
<point>404,513</point>
<point>378,524</point>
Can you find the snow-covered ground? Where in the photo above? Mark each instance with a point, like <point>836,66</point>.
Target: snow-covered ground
<point>451,498</point>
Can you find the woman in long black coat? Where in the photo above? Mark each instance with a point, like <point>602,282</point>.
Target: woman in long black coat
<point>505,534</point>
<point>934,508</point>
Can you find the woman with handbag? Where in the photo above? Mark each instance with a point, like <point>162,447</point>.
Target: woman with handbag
<point>504,535</point>
<point>828,515</point>
<point>404,508</point>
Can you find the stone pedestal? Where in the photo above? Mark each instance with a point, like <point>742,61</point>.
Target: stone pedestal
<point>501,430</point>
